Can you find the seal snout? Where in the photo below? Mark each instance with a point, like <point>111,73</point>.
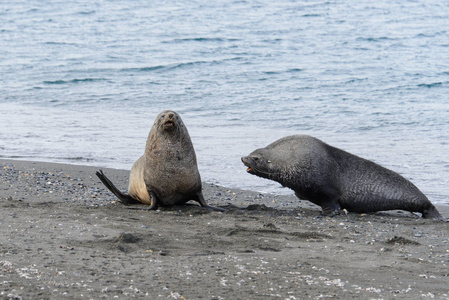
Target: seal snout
<point>247,161</point>
<point>169,121</point>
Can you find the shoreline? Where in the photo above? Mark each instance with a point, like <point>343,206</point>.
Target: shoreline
<point>64,235</point>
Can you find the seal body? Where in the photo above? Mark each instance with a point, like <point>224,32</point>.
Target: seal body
<point>335,179</point>
<point>167,173</point>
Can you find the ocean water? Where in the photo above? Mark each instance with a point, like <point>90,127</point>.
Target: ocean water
<point>82,81</point>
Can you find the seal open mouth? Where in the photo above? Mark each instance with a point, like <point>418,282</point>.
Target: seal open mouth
<point>247,163</point>
<point>169,124</point>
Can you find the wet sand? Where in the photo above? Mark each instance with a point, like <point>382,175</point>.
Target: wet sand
<point>64,236</point>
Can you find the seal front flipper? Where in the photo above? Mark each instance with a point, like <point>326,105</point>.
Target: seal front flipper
<point>123,198</point>
<point>200,199</point>
<point>330,208</point>
<point>153,200</point>
<point>329,212</point>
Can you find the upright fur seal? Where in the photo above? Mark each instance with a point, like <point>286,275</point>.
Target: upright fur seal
<point>335,179</point>
<point>167,173</point>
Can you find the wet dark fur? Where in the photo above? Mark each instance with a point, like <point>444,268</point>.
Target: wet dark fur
<point>335,179</point>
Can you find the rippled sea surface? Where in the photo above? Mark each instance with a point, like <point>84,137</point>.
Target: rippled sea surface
<point>82,81</point>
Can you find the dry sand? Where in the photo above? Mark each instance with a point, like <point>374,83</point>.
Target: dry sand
<point>63,236</point>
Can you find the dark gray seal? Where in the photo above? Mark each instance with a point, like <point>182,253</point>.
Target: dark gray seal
<point>335,179</point>
<point>167,173</point>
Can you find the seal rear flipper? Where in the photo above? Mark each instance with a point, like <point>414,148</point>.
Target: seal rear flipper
<point>433,213</point>
<point>123,198</point>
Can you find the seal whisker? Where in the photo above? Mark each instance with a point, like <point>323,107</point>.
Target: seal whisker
<point>265,172</point>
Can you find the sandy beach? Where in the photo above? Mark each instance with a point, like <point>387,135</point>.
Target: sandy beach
<point>63,235</point>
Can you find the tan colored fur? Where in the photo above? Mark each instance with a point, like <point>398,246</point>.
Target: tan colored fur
<point>137,188</point>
